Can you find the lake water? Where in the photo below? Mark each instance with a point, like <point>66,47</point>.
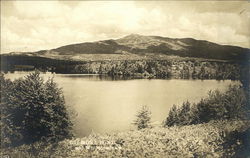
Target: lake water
<point>104,105</point>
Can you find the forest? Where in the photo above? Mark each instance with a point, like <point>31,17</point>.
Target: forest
<point>163,69</point>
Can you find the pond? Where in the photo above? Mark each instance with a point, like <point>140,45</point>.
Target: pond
<point>106,105</point>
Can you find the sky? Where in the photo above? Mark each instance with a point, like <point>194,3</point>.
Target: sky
<point>39,25</point>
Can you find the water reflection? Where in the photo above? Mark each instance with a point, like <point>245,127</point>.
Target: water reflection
<point>102,77</point>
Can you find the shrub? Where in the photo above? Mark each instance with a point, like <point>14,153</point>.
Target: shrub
<point>143,118</point>
<point>229,105</point>
<point>33,109</point>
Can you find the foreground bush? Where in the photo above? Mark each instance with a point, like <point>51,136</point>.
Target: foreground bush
<point>229,105</point>
<point>32,110</point>
<point>215,139</point>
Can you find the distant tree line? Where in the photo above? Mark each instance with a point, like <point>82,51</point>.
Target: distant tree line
<point>27,63</point>
<point>164,69</point>
<point>172,68</point>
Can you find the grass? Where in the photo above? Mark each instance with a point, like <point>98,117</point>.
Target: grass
<point>213,139</point>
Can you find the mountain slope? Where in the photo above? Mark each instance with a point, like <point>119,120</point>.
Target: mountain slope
<point>143,45</point>
<point>137,46</point>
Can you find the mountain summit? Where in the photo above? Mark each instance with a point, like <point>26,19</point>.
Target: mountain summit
<point>143,42</point>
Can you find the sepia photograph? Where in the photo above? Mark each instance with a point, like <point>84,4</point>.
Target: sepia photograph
<point>125,79</point>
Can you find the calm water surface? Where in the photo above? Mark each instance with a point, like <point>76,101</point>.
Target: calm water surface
<point>105,105</point>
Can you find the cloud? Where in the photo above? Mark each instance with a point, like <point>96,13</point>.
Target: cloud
<point>40,9</point>
<point>35,25</point>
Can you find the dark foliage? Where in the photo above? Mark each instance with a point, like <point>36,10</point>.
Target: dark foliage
<point>32,109</point>
<point>26,63</point>
<point>229,105</point>
<point>238,141</point>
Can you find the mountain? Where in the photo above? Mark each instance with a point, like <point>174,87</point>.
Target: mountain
<point>136,46</point>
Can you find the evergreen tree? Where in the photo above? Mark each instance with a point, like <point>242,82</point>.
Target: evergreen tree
<point>143,118</point>
<point>184,113</point>
<point>172,118</point>
<point>34,109</point>
<point>229,105</point>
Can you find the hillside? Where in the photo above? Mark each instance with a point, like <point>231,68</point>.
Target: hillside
<point>136,46</point>
<point>213,139</point>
